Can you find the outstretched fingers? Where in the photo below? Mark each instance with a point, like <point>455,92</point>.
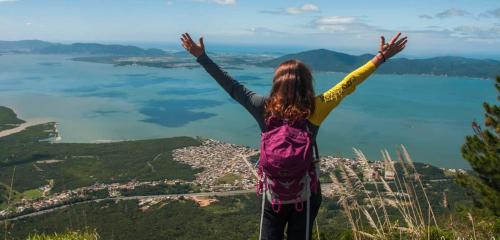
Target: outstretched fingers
<point>196,49</point>
<point>382,43</point>
<point>184,43</point>
<point>187,39</point>
<point>402,44</point>
<point>400,41</point>
<point>395,38</point>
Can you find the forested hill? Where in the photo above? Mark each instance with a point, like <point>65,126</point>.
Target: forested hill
<point>319,60</point>
<point>42,47</point>
<point>326,60</point>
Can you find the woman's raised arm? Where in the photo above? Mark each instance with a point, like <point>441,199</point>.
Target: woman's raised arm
<point>328,100</point>
<point>249,99</point>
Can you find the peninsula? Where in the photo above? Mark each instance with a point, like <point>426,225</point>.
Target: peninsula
<point>318,59</point>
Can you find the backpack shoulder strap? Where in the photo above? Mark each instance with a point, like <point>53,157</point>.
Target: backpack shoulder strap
<point>316,152</point>
<point>315,145</point>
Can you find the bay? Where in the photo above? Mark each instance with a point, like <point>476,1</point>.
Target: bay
<point>430,115</point>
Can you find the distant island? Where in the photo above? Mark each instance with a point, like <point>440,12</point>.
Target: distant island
<point>318,60</point>
<point>42,47</point>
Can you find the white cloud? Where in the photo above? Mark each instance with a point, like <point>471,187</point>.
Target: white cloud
<point>452,12</point>
<point>493,13</point>
<point>294,10</point>
<point>225,2</point>
<point>475,33</point>
<point>2,1</point>
<point>264,31</point>
<point>354,27</point>
<point>425,16</point>
<point>303,9</point>
<point>341,24</point>
<point>335,20</point>
<point>220,2</point>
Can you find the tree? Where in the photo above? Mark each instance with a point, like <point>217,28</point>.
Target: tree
<point>482,151</point>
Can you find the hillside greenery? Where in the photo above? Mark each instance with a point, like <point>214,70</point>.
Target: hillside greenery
<point>8,118</point>
<point>28,160</point>
<point>235,217</point>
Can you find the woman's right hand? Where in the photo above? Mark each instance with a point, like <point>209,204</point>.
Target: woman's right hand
<point>193,48</point>
<point>388,50</point>
<point>393,47</point>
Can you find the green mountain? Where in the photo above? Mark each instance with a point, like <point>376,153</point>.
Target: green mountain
<point>326,60</point>
<point>24,46</point>
<point>41,47</point>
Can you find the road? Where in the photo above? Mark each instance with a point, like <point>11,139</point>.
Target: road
<point>202,194</point>
<point>324,187</point>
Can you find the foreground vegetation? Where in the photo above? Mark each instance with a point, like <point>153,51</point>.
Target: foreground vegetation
<point>482,151</point>
<point>233,217</point>
<point>408,207</point>
<point>70,235</point>
<point>184,219</point>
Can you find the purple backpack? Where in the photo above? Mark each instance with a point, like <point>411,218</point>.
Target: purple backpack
<point>287,168</point>
<point>286,162</point>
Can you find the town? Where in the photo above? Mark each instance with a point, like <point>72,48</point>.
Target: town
<point>225,167</point>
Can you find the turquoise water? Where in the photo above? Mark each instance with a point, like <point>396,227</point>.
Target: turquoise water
<point>98,102</point>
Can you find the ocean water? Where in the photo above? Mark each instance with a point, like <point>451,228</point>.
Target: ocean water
<point>93,102</point>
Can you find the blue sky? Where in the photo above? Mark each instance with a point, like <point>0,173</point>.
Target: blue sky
<point>444,27</point>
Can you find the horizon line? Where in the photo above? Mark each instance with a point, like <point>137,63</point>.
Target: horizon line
<point>284,47</point>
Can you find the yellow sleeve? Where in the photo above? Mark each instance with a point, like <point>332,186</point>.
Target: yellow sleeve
<point>326,102</point>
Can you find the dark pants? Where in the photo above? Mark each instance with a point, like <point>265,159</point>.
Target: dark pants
<point>273,225</point>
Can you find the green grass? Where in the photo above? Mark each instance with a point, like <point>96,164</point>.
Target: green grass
<point>229,178</point>
<point>8,118</point>
<point>32,193</point>
<point>70,235</point>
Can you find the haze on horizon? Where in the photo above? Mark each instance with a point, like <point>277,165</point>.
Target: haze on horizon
<point>459,27</point>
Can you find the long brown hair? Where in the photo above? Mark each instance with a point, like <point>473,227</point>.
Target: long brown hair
<point>292,94</point>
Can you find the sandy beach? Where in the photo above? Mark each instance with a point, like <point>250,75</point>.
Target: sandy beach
<point>23,126</point>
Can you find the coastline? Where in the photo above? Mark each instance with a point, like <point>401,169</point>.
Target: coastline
<point>23,126</point>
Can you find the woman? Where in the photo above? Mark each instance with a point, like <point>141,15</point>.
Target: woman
<point>292,97</point>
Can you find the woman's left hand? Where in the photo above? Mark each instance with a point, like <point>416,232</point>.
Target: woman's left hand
<point>192,47</point>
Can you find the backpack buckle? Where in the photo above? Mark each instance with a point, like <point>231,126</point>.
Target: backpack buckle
<point>299,203</point>
<point>274,203</point>
<point>284,173</point>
